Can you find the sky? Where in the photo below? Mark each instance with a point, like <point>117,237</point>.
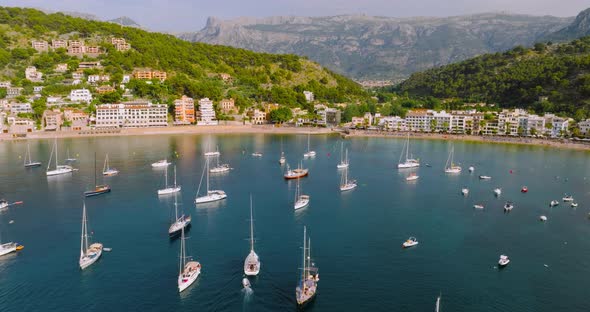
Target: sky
<point>191,15</point>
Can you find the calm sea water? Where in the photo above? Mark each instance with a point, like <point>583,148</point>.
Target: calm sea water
<point>356,236</point>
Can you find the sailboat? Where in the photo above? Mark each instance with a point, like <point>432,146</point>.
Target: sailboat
<point>252,262</point>
<point>211,195</point>
<point>343,159</point>
<point>219,168</point>
<point>161,163</point>
<point>450,166</point>
<point>106,169</point>
<point>215,153</point>
<point>28,162</point>
<point>346,184</point>
<point>437,307</point>
<point>295,173</point>
<point>179,223</point>
<point>282,160</point>
<point>7,248</point>
<point>301,201</point>
<point>309,153</point>
<point>88,254</point>
<point>98,189</point>
<point>169,190</point>
<point>188,271</point>
<point>59,169</point>
<point>307,288</point>
<point>408,162</point>
<point>68,158</point>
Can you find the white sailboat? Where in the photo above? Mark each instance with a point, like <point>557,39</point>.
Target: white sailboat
<point>188,270</point>
<point>179,223</point>
<point>211,195</point>
<point>88,253</point>
<point>282,160</point>
<point>309,152</point>
<point>169,190</point>
<point>214,153</point>
<point>59,169</point>
<point>346,184</point>
<point>301,201</point>
<point>343,159</point>
<point>220,168</point>
<point>307,288</point>
<point>437,307</point>
<point>28,162</point>
<point>408,162</point>
<point>450,166</point>
<point>252,262</point>
<point>106,169</point>
<point>161,163</point>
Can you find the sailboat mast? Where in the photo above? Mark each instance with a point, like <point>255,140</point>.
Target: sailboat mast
<point>83,231</point>
<point>95,168</point>
<point>56,153</point>
<point>174,177</point>
<point>408,146</point>
<point>182,251</point>
<point>175,208</point>
<point>251,226</point>
<point>166,177</point>
<point>304,253</point>
<point>207,176</point>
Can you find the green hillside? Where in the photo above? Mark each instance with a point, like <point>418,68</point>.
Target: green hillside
<point>193,68</point>
<point>516,78</point>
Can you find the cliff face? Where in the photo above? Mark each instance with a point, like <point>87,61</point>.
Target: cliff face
<point>367,47</point>
<point>580,27</point>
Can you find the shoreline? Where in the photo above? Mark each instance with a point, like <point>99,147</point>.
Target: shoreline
<point>269,129</point>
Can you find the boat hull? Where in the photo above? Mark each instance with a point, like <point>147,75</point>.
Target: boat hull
<point>342,166</point>
<point>110,172</point>
<point>33,165</point>
<point>185,281</point>
<point>296,174</point>
<point>59,171</point>
<point>86,262</point>
<point>347,187</point>
<point>252,264</point>
<point>7,248</point>
<point>211,197</point>
<point>407,165</point>
<point>97,192</point>
<point>176,229</point>
<point>302,203</point>
<point>170,190</point>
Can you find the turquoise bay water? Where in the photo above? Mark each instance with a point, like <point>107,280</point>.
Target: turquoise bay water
<point>356,236</point>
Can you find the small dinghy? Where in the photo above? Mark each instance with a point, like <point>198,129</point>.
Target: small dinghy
<point>107,249</point>
<point>246,283</point>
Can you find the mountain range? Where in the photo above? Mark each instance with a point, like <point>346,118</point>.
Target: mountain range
<point>370,47</point>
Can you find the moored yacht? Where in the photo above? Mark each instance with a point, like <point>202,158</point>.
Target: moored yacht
<point>307,286</point>
<point>497,191</point>
<point>189,270</point>
<point>309,152</point>
<point>450,166</point>
<point>213,153</point>
<point>508,206</point>
<point>29,163</point>
<point>484,177</point>
<point>169,189</point>
<point>219,168</point>
<point>524,189</point>
<point>410,242</point>
<point>89,254</point>
<point>98,189</point>
<point>301,201</point>
<point>553,203</point>
<point>295,173</point>
<point>478,206</point>
<point>568,198</point>
<point>180,222</point>
<point>408,162</point>
<point>412,177</point>
<point>161,163</point>
<point>107,170</point>
<point>343,159</point>
<point>59,169</point>
<point>210,195</point>
<point>252,262</point>
<point>465,191</point>
<point>471,168</point>
<point>346,184</point>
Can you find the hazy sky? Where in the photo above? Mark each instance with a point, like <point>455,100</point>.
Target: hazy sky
<point>190,15</point>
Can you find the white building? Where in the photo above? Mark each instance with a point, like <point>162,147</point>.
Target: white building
<point>61,68</point>
<point>393,123</point>
<point>33,75</point>
<point>17,108</point>
<point>5,84</point>
<point>131,115</point>
<point>584,126</point>
<point>80,95</point>
<point>309,96</point>
<point>206,113</point>
<point>560,127</point>
<point>37,89</point>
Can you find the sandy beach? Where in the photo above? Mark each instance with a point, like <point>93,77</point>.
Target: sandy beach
<point>270,129</point>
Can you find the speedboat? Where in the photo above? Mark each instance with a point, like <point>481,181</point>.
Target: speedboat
<point>246,283</point>
<point>543,218</point>
<point>410,242</point>
<point>256,154</point>
<point>508,206</point>
<point>553,203</point>
<point>7,248</point>
<point>497,191</point>
<point>309,154</point>
<point>161,164</point>
<point>484,177</point>
<point>478,206</point>
<point>574,204</point>
<point>465,191</point>
<point>471,169</point>
<point>524,189</point>
<point>503,261</point>
<point>568,198</point>
<point>412,177</point>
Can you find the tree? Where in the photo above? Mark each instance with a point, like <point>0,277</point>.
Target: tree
<point>433,124</point>
<point>281,115</point>
<point>533,131</point>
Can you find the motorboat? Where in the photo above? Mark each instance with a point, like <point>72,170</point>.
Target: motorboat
<point>450,166</point>
<point>465,191</point>
<point>485,177</point>
<point>252,262</point>
<point>503,261</point>
<point>11,247</point>
<point>301,201</point>
<point>478,206</point>
<point>210,195</point>
<point>412,177</point>
<point>246,282</point>
<point>543,218</point>
<point>282,160</point>
<point>169,189</point>
<point>161,163</point>
<point>256,154</point>
<point>554,203</point>
<point>189,269</point>
<point>308,285</point>
<point>524,189</point>
<point>568,198</point>
<point>508,206</point>
<point>89,254</point>
<point>497,191</point>
<point>410,242</point>
<point>408,162</point>
<point>574,204</point>
<point>4,203</point>
<point>471,168</point>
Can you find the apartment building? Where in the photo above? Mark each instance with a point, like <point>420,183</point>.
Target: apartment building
<point>5,84</point>
<point>52,120</point>
<point>228,106</point>
<point>56,44</point>
<point>80,95</point>
<point>206,113</point>
<point>18,108</point>
<point>393,123</point>
<point>328,117</point>
<point>308,96</point>
<point>131,115</point>
<point>584,127</point>
<point>148,74</point>
<point>12,92</point>
<point>257,117</point>
<point>184,110</point>
<point>104,89</point>
<point>40,45</point>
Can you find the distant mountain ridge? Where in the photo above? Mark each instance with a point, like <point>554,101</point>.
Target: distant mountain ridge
<point>368,47</point>
<point>580,27</point>
<point>124,21</point>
